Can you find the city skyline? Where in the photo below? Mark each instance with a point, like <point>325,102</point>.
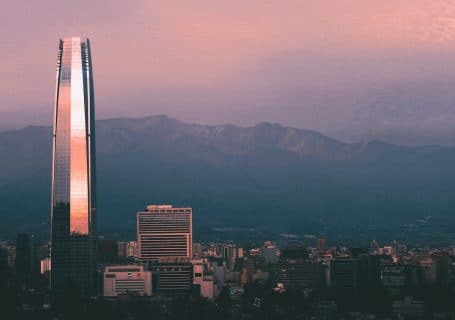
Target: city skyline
<point>314,141</point>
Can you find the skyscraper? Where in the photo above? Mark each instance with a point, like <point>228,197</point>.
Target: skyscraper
<point>27,256</point>
<point>73,208</point>
<point>165,241</point>
<point>165,232</point>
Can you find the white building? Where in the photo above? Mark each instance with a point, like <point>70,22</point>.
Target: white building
<point>204,282</point>
<point>127,279</point>
<point>164,232</point>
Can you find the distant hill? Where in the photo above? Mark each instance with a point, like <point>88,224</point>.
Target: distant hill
<point>263,175</point>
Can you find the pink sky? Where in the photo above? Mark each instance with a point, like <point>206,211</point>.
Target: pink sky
<point>326,65</point>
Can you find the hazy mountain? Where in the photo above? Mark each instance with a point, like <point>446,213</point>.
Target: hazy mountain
<point>265,175</point>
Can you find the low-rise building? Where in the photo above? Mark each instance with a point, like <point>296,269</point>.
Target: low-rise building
<point>123,279</point>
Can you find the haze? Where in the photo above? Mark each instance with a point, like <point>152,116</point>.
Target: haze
<point>356,70</point>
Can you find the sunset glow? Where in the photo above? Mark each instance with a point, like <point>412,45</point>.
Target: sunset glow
<point>244,61</point>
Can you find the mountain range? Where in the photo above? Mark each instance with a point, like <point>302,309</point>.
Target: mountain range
<point>266,175</point>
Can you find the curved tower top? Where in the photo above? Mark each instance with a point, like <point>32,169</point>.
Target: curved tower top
<point>73,209</point>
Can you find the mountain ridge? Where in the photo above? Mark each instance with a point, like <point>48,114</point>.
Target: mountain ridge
<point>233,174</point>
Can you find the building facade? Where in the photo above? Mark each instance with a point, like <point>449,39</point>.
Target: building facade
<point>343,273</point>
<point>73,207</point>
<point>164,232</point>
<point>45,267</point>
<point>27,255</point>
<point>298,273</point>
<point>172,277</point>
<point>127,279</point>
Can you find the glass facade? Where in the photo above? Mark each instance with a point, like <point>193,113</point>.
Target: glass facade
<point>73,170</point>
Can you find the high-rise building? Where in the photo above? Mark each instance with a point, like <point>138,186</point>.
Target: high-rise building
<point>304,273</point>
<point>127,249</point>
<point>164,232</point>
<point>230,254</point>
<point>27,255</point>
<point>73,208</point>
<point>368,272</point>
<point>7,255</point>
<point>343,273</point>
<point>107,251</point>
<point>270,253</point>
<point>393,278</point>
<point>320,245</point>
<point>429,270</point>
<point>441,260</point>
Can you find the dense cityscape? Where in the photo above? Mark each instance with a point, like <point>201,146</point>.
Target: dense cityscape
<point>286,278</point>
<point>334,259</point>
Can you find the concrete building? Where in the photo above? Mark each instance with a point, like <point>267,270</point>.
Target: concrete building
<point>202,282</point>
<point>123,279</point>
<point>343,273</point>
<point>46,267</point>
<point>127,249</point>
<point>172,277</point>
<point>429,270</point>
<point>303,273</point>
<point>230,254</point>
<point>27,255</point>
<point>270,253</point>
<point>164,232</point>
<point>320,244</point>
<point>208,288</point>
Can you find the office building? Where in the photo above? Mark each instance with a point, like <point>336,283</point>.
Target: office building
<point>202,284</point>
<point>302,273</point>
<point>107,251</point>
<point>441,261</point>
<point>73,203</point>
<point>3,260</point>
<point>45,267</point>
<point>368,271</point>
<point>27,255</point>
<point>343,273</point>
<point>270,253</point>
<point>320,244</point>
<point>124,279</point>
<point>173,277</point>
<point>164,232</point>
<point>122,249</point>
<point>7,255</point>
<point>393,278</point>
<point>247,267</point>
<point>208,289</point>
<point>230,254</point>
<point>127,249</point>
<point>198,271</point>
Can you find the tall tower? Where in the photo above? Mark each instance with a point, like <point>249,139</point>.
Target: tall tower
<point>73,207</point>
